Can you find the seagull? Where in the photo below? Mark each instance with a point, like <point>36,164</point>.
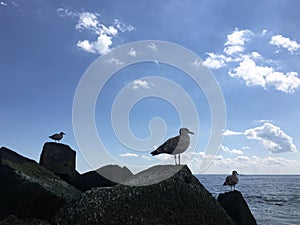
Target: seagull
<point>57,137</point>
<point>232,180</point>
<point>175,145</point>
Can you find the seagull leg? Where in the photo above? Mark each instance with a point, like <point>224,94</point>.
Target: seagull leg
<point>175,159</point>
<point>179,158</point>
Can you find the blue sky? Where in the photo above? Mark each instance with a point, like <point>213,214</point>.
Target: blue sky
<point>251,47</point>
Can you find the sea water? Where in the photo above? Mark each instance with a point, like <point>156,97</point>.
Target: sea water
<point>272,199</point>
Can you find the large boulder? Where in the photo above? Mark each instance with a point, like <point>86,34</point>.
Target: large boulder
<point>60,159</point>
<point>237,208</point>
<point>106,176</point>
<point>28,189</point>
<point>177,198</point>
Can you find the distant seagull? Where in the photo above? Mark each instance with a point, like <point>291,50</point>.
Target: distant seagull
<point>175,145</point>
<point>57,137</point>
<point>232,180</point>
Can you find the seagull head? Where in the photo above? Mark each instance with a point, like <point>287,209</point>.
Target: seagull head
<point>185,131</point>
<point>62,133</point>
<point>234,173</point>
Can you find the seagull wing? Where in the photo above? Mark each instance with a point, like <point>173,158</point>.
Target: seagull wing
<point>168,147</point>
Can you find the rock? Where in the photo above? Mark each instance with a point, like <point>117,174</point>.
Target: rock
<point>106,176</point>
<point>115,173</point>
<point>180,199</point>
<point>60,159</point>
<point>28,189</point>
<point>237,208</point>
<point>13,220</point>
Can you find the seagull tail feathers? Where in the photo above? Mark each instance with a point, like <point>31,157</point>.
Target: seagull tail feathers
<point>155,152</point>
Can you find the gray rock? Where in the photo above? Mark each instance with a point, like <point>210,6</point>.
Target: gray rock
<point>180,199</point>
<point>28,189</point>
<point>237,208</point>
<point>60,159</point>
<point>13,220</point>
<point>106,176</point>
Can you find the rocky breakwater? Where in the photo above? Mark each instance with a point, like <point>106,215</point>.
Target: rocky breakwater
<point>237,208</point>
<point>60,159</point>
<point>168,195</point>
<point>29,190</point>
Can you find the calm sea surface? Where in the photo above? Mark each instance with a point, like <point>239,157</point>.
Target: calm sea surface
<point>273,199</point>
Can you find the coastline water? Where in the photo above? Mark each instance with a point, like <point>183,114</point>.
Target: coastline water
<point>273,199</point>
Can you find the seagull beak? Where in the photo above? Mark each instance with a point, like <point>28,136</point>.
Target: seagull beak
<point>190,132</point>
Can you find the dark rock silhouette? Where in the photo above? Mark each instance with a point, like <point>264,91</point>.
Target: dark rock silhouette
<point>28,189</point>
<point>106,176</point>
<point>237,208</point>
<point>60,159</point>
<point>13,220</point>
<point>180,199</point>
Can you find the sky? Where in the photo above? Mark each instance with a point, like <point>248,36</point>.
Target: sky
<point>81,67</point>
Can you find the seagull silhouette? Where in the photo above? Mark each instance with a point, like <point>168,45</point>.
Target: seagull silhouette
<point>232,180</point>
<point>175,145</point>
<point>57,137</point>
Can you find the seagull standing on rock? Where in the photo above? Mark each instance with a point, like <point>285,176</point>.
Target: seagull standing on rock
<point>232,180</point>
<point>175,145</point>
<point>57,137</point>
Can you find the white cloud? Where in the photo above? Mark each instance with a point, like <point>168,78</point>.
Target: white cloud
<point>137,84</point>
<point>285,42</point>
<point>264,76</point>
<point>3,3</point>
<point>252,67</point>
<point>153,46</point>
<point>238,37</point>
<point>104,34</point>
<point>115,61</point>
<point>146,157</point>
<point>123,27</point>
<point>100,46</point>
<point>232,151</point>
<point>86,45</point>
<point>87,20</point>
<point>263,121</point>
<point>231,133</point>
<point>272,138</point>
<point>128,155</point>
<point>215,61</point>
<point>233,49</point>
<point>132,52</point>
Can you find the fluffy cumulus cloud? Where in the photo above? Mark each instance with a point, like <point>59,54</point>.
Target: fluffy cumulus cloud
<point>250,66</point>
<point>104,34</point>
<point>141,84</point>
<point>215,61</point>
<point>272,138</point>
<point>285,42</point>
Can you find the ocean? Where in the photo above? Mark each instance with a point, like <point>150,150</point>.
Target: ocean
<point>273,199</point>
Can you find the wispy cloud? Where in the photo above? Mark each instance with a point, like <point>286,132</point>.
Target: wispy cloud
<point>232,151</point>
<point>129,155</point>
<point>3,3</point>
<point>231,133</point>
<point>153,46</point>
<point>104,33</point>
<point>132,52</point>
<point>115,61</point>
